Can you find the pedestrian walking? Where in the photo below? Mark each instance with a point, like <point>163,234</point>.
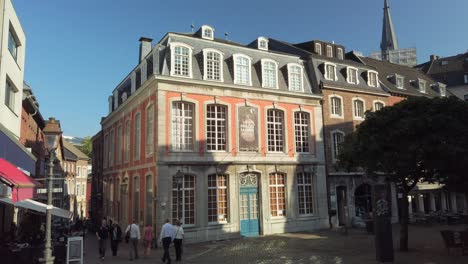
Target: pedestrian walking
<point>102,235</point>
<point>115,238</point>
<point>165,238</point>
<point>147,239</point>
<point>178,237</point>
<point>133,232</point>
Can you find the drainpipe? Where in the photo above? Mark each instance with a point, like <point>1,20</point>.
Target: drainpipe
<point>326,164</point>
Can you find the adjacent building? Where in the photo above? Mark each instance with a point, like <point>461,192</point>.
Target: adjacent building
<point>95,211</point>
<point>225,137</point>
<point>452,71</point>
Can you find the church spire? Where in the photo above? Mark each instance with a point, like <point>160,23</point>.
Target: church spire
<point>389,41</point>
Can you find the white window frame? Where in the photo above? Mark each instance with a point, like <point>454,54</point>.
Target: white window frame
<point>217,129</point>
<point>112,148</point>
<point>217,188</point>
<point>309,208</point>
<point>301,127</point>
<point>127,132</point>
<point>290,66</point>
<point>339,53</point>
<point>263,62</point>
<point>334,146</point>
<point>205,64</point>
<point>261,40</point>
<point>330,99</point>
<point>442,89</point>
<point>318,48</point>
<point>249,69</point>
<point>277,186</point>
<point>355,116</point>
<point>465,76</point>
<point>402,78</point>
<point>277,143</point>
<point>183,191</point>
<point>173,46</point>
<point>329,51</point>
<point>119,144</point>
<point>206,27</point>
<point>149,130</point>
<point>183,145</point>
<point>326,71</point>
<point>422,86</point>
<point>376,102</point>
<point>369,73</point>
<point>349,75</point>
<point>137,137</point>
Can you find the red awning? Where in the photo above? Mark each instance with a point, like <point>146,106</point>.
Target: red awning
<point>12,176</point>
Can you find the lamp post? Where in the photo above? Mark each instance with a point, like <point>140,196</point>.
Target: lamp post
<point>52,132</point>
<point>179,177</point>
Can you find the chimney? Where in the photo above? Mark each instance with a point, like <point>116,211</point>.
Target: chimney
<point>434,57</point>
<point>145,47</point>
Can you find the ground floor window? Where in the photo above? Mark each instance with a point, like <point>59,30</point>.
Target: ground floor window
<point>304,190</point>
<point>277,197</point>
<point>183,200</point>
<point>217,198</point>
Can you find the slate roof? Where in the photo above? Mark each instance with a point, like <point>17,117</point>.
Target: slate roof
<point>316,67</point>
<point>228,48</point>
<point>74,150</point>
<point>387,70</point>
<point>449,70</point>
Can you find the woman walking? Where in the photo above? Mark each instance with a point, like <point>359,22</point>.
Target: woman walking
<point>147,239</point>
<point>178,237</point>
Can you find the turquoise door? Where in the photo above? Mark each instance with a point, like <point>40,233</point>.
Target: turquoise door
<point>249,225</point>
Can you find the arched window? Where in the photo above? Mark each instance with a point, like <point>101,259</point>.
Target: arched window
<point>295,77</point>
<point>149,199</point>
<point>149,140</point>
<point>182,126</point>
<point>275,130</point>
<point>136,198</point>
<point>183,200</point>
<point>216,126</point>
<point>213,65</point>
<point>119,145</point>
<point>111,149</point>
<point>269,74</point>
<point>301,131</point>
<point>372,78</point>
<point>127,141</point>
<point>277,184</point>
<point>358,108</point>
<point>242,72</point>
<point>181,60</point>
<point>336,106</point>
<point>378,105</point>
<point>137,138</point>
<point>337,139</point>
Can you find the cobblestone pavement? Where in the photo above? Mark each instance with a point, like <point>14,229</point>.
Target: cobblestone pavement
<point>322,247</point>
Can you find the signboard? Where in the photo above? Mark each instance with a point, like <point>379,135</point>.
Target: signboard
<point>248,128</point>
<point>383,226</point>
<point>75,250</point>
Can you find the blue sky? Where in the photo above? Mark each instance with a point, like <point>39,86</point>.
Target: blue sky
<point>78,51</point>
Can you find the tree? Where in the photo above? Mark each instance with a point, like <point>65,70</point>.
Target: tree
<point>87,146</point>
<point>416,140</point>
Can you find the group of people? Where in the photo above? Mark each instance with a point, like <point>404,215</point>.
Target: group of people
<point>169,233</point>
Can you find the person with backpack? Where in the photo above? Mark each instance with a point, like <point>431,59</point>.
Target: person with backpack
<point>133,234</point>
<point>102,235</point>
<point>115,237</point>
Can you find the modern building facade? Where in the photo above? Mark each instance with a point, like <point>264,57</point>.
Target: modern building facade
<point>225,137</point>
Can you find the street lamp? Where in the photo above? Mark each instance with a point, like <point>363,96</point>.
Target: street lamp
<point>179,177</point>
<point>52,132</point>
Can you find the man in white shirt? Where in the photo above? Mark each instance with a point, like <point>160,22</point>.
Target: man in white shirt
<point>166,237</point>
<point>133,232</point>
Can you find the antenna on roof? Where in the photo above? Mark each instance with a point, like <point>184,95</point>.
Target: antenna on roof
<point>192,26</point>
<point>226,35</point>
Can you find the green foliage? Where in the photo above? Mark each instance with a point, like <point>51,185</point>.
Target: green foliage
<point>418,139</point>
<point>87,146</point>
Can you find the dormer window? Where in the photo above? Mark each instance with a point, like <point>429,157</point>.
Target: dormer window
<point>262,43</point>
<point>213,65</point>
<point>372,78</point>
<point>181,60</point>
<point>242,72</point>
<point>440,88</point>
<point>329,51</point>
<point>269,74</point>
<point>352,75</point>
<point>207,32</point>
<point>422,86</point>
<point>295,72</point>
<point>339,52</point>
<point>399,80</point>
<point>124,97</point>
<point>318,48</point>
<point>330,72</point>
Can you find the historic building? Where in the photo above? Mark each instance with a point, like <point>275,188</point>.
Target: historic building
<point>96,203</point>
<point>76,176</point>
<point>223,136</point>
<point>452,71</point>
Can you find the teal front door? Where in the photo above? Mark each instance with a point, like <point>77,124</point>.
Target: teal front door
<point>248,206</point>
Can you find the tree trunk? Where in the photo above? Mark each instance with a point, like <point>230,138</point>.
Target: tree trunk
<point>404,223</point>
